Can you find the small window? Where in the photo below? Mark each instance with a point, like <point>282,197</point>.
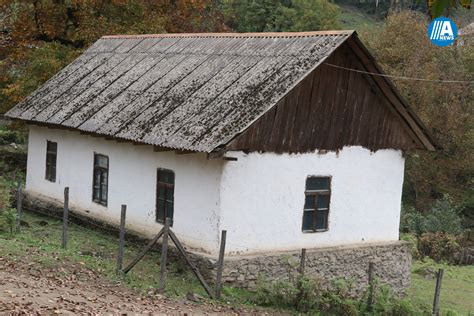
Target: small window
<point>51,155</point>
<point>101,179</point>
<point>316,206</point>
<point>165,195</point>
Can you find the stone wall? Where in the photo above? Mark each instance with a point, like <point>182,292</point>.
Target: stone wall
<point>392,260</point>
<point>392,265</point>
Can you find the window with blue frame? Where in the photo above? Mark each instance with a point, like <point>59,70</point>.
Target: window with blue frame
<point>316,206</point>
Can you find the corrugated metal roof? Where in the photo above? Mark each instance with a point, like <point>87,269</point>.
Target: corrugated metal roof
<point>184,91</point>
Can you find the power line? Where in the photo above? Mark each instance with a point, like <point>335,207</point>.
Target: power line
<point>399,77</point>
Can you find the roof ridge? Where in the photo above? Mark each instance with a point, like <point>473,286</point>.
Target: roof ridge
<point>227,34</point>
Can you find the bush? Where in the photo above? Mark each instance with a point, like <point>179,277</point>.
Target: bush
<point>413,241</point>
<point>309,296</point>
<point>439,246</point>
<point>8,136</point>
<point>444,217</point>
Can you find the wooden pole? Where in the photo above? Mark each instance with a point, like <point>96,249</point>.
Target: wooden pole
<point>220,264</point>
<point>164,253</point>
<point>144,251</point>
<point>437,292</point>
<point>303,260</point>
<point>65,218</point>
<point>18,207</point>
<point>370,299</point>
<point>189,262</point>
<point>121,239</point>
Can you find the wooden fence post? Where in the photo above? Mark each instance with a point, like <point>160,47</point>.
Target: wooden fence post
<point>121,239</point>
<point>164,253</point>
<point>303,261</point>
<point>437,292</point>
<point>65,217</point>
<point>370,299</point>
<point>220,264</point>
<point>18,206</point>
<point>191,265</point>
<point>144,251</point>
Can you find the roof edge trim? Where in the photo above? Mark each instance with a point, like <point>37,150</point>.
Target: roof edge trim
<point>261,34</point>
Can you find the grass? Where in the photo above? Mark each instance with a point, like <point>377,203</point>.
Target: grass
<point>97,249</point>
<point>352,18</point>
<point>457,287</point>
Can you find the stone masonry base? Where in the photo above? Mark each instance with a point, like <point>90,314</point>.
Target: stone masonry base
<point>392,260</point>
<point>392,265</point>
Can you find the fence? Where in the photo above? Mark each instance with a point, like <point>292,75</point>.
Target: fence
<point>166,233</point>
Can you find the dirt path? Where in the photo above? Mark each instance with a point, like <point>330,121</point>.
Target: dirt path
<point>26,288</point>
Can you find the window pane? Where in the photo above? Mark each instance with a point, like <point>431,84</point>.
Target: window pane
<point>321,219</point>
<point>309,202</point>
<point>96,193</point>
<point>308,220</point>
<point>101,161</point>
<point>169,209</point>
<point>323,201</point>
<point>317,183</point>
<point>161,192</point>
<point>160,212</point>
<point>166,176</point>
<point>52,146</point>
<point>170,194</point>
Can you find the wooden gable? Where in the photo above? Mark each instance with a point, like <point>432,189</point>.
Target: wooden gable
<point>329,109</point>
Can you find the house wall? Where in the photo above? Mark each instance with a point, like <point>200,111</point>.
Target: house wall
<point>132,181</point>
<point>262,198</point>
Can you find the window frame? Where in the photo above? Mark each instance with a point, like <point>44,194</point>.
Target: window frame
<point>167,187</point>
<point>315,209</point>
<point>96,168</point>
<point>50,165</point>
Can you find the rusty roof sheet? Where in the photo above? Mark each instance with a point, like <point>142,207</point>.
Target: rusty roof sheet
<point>184,91</point>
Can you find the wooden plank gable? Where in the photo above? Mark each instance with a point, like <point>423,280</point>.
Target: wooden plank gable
<point>329,109</point>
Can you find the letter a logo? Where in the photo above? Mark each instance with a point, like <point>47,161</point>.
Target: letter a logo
<point>442,31</point>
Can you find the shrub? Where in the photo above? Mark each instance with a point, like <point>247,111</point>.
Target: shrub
<point>439,246</point>
<point>413,241</point>
<point>443,217</point>
<point>308,296</point>
<point>411,221</point>
<point>8,136</point>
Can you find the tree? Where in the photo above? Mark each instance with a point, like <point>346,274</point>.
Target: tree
<point>403,49</point>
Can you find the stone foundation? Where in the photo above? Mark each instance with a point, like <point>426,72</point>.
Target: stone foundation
<point>392,265</point>
<point>392,260</point>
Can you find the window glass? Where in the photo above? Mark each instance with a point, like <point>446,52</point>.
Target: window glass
<point>165,195</point>
<point>101,175</point>
<point>51,157</point>
<point>317,183</point>
<point>316,205</point>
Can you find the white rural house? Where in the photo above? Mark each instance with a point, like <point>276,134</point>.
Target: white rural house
<point>271,136</point>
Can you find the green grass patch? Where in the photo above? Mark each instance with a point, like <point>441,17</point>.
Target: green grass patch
<point>352,18</point>
<point>41,243</point>
<point>457,287</point>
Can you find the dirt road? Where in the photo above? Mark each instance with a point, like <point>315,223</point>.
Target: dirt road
<point>26,288</point>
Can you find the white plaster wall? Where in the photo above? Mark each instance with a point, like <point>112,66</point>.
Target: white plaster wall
<point>132,181</point>
<point>262,198</point>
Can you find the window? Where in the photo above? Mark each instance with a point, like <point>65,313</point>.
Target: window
<point>165,195</point>
<point>101,179</point>
<point>316,206</point>
<point>51,154</point>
